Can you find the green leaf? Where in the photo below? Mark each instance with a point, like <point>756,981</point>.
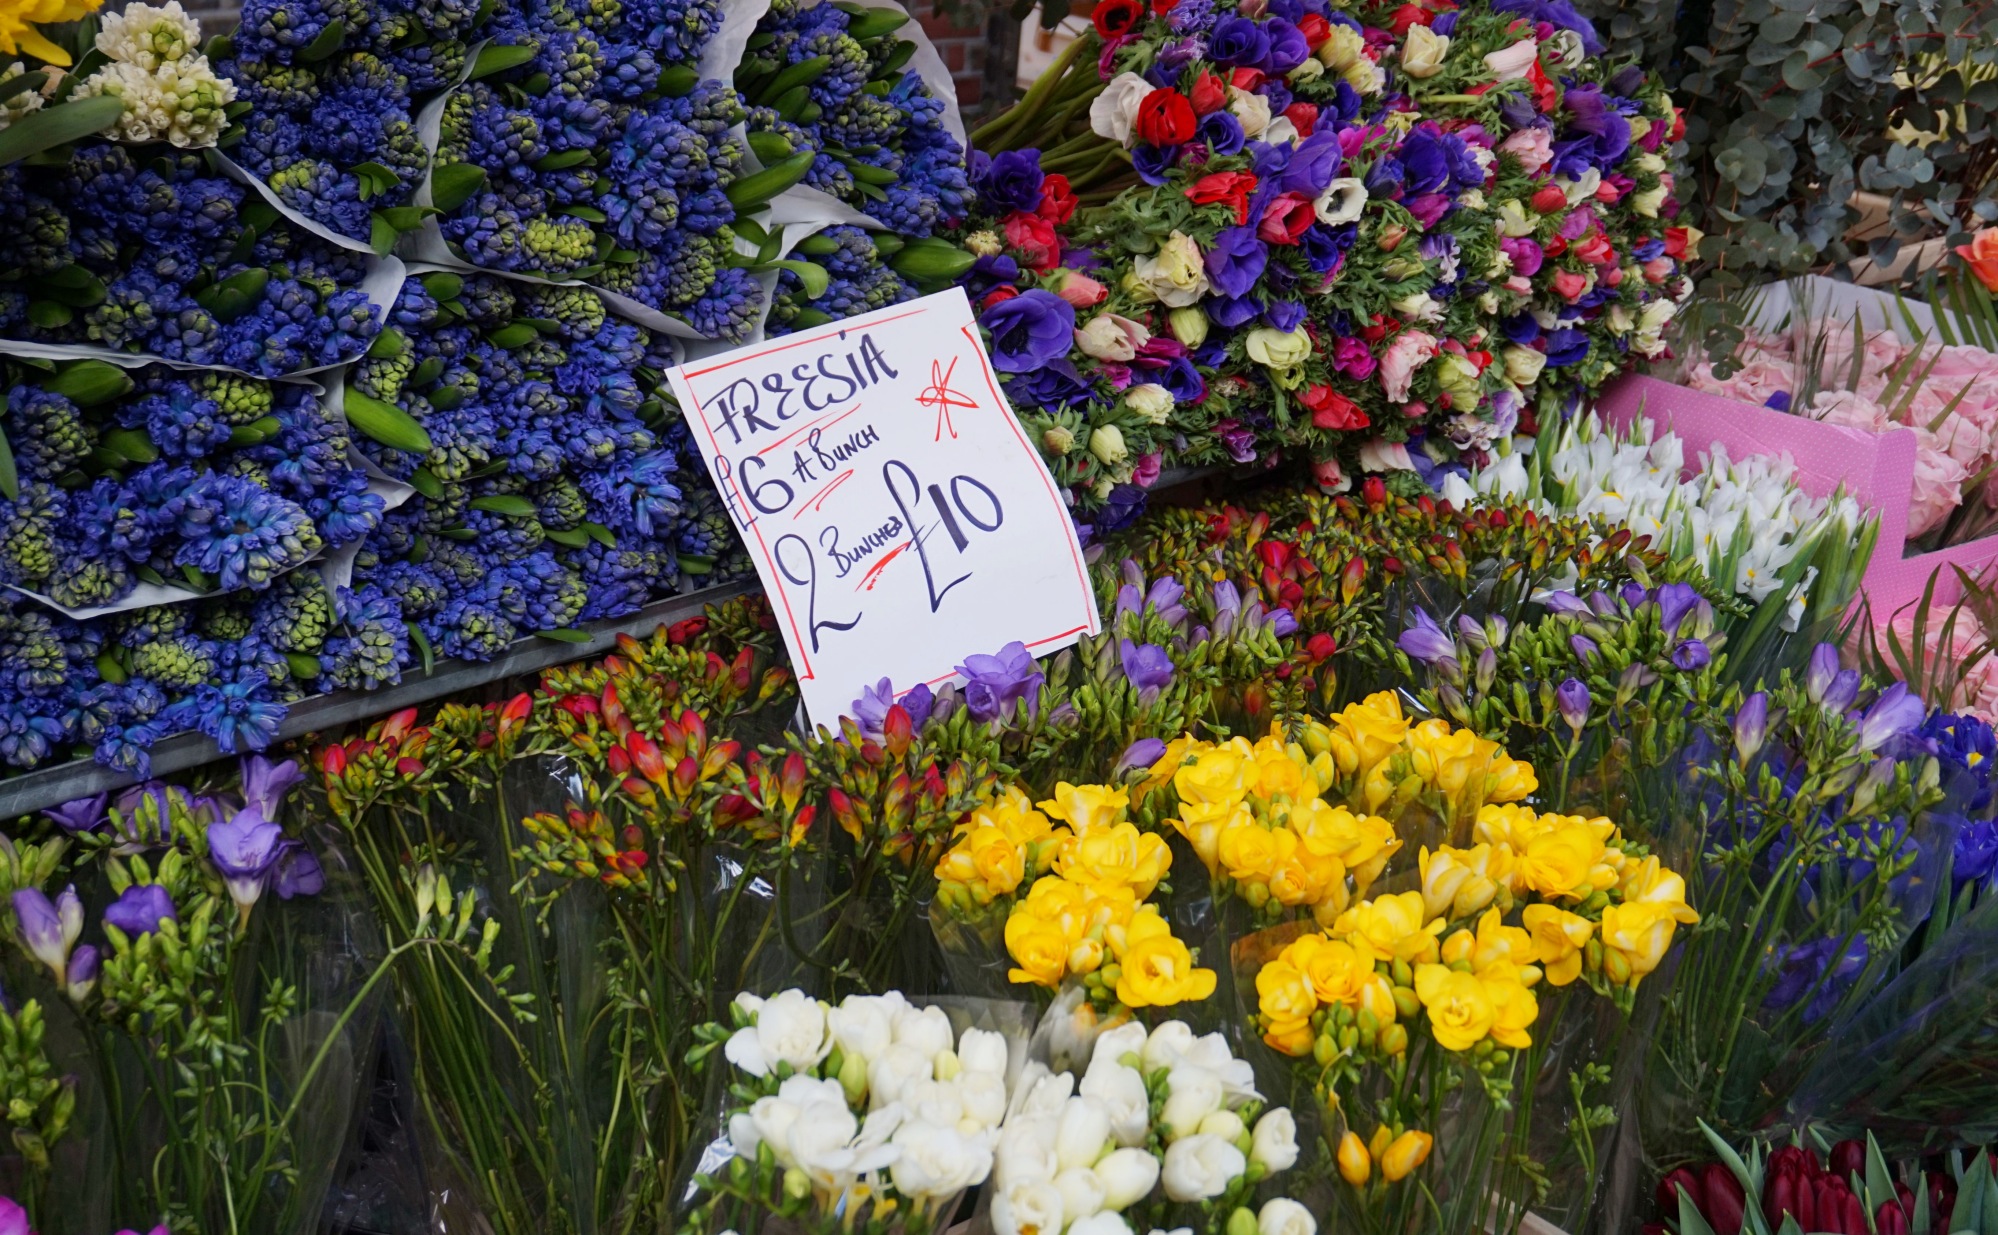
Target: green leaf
<point>1879,1180</point>
<point>406,218</point>
<point>423,648</point>
<point>236,295</point>
<point>389,344</point>
<point>88,383</point>
<point>513,335</point>
<point>385,423</point>
<point>425,482</point>
<point>327,43</point>
<point>495,58</point>
<point>49,315</point>
<point>601,534</point>
<point>574,538</point>
<point>24,81</point>
<point>131,445</point>
<point>588,214</point>
<point>10,476</point>
<point>508,504</point>
<point>443,285</point>
<point>811,274</point>
<point>563,159</point>
<point>1690,1220</point>
<point>564,636</point>
<point>453,184</point>
<point>302,666</point>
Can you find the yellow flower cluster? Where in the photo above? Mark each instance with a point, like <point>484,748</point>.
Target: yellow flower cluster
<point>1378,753</point>
<point>998,846</point>
<point>1255,815</point>
<point>1088,920</point>
<point>18,19</point>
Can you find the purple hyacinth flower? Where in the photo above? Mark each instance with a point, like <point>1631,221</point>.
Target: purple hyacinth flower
<point>49,928</point>
<point>1692,655</point>
<point>1895,713</point>
<point>297,872</point>
<point>994,684</point>
<point>1572,697</point>
<point>1751,726</point>
<point>84,965</point>
<point>81,815</point>
<point>1425,641</point>
<point>1142,753</point>
<point>1675,601</point>
<point>1147,667</point>
<point>1822,672</point>
<point>265,783</point>
<point>140,909</point>
<point>244,850</point>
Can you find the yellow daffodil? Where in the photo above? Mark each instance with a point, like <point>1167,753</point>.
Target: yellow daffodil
<point>1558,940</point>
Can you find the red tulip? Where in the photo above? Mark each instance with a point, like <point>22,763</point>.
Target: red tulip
<point>1725,1200</point>
<point>1848,1158</point>
<point>1669,1188</point>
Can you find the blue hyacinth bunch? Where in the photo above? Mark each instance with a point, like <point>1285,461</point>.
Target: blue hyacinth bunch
<point>545,496</point>
<point>327,97</point>
<point>831,80</point>
<point>593,151</point>
<point>162,257</point>
<point>209,481</point>
<point>860,280</point>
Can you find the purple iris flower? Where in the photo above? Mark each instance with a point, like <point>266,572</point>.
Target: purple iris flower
<point>1142,753</point>
<point>993,684</point>
<point>1425,641</point>
<point>1894,714</point>
<point>871,709</point>
<point>49,928</point>
<point>1819,970</point>
<point>82,814</point>
<point>1236,260</point>
<point>1976,851</point>
<point>140,909</point>
<point>1030,330</point>
<point>244,850</point>
<point>265,783</point>
<point>1147,667</point>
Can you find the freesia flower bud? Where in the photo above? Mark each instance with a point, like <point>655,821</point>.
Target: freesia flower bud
<point>1572,697</point>
<point>1355,1163</point>
<point>1405,1153</point>
<point>1751,725</point>
<point>1822,671</point>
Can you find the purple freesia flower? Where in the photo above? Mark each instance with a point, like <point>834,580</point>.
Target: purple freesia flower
<point>265,783</point>
<point>49,928</point>
<point>1584,647</point>
<point>1675,601</point>
<point>84,965</point>
<point>1032,329</point>
<point>82,814</point>
<point>1147,667</point>
<point>1142,753</point>
<point>993,684</point>
<point>297,872</point>
<point>871,709</point>
<point>1895,713</point>
<point>1236,260</point>
<point>1821,672</point>
<point>1751,726</point>
<point>1572,698</point>
<point>1283,623</point>
<point>140,909</point>
<point>1692,655</point>
<point>1162,597</point>
<point>244,850</point>
<point>1425,641</point>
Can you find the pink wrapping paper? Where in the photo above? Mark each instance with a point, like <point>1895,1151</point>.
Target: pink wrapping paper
<point>1877,469</point>
<point>1900,584</point>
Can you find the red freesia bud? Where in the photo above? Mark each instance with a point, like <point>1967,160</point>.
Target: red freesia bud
<point>516,711</point>
<point>687,628</point>
<point>617,761</point>
<point>645,757</point>
<point>1117,17</point>
<point>1320,647</point>
<point>1669,1187</point>
<point>408,767</point>
<point>1351,578</point>
<point>1210,94</point>
<point>1057,200</point>
<point>395,726</point>
<point>685,773</point>
<point>333,761</point>
<point>791,777</point>
<point>1374,491</point>
<point>630,647</point>
<point>613,711</point>
<point>578,706</point>
<point>1724,1196</point>
<point>801,823</point>
<point>1165,118</point>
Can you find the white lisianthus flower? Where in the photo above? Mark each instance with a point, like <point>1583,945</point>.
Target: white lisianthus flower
<point>148,35</point>
<point>790,1028</point>
<point>1200,1167</point>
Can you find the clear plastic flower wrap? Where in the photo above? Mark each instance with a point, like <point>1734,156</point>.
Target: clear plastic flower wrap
<point>211,981</point>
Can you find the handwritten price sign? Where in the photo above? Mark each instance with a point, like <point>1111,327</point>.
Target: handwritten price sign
<point>897,513</point>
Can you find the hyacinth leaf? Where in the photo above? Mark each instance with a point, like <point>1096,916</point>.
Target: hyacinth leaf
<point>382,234</point>
<point>110,670</point>
<point>770,147</point>
<point>574,537</point>
<point>904,52</point>
<point>375,179</point>
<point>421,643</point>
<point>803,73</point>
<point>49,315</point>
<point>755,189</point>
<point>678,80</point>
<point>1690,1220</point>
<point>791,105</point>
<point>327,43</point>
<point>131,446</point>
<point>405,218</point>
<point>302,666</point>
<point>869,24</point>
<point>443,285</point>
<point>570,635</point>
<point>509,504</point>
<point>811,274</point>
<point>424,482</point>
<point>389,344</point>
<point>601,534</point>
<point>10,476</point>
<point>496,58</point>
<point>385,423</point>
<point>588,214</point>
<point>513,335</point>
<point>73,286</point>
<point>89,383</point>
<point>932,259</point>
<point>26,81</point>
<point>453,184</point>
<point>236,295</point>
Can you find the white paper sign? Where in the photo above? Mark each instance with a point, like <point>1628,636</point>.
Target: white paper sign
<point>899,516</point>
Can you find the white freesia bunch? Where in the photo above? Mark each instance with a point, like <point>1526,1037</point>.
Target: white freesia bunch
<point>874,1102</point>
<point>1747,524</point>
<point>1080,1157</point>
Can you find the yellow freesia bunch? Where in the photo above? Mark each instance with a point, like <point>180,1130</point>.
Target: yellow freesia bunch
<point>1380,759</point>
<point>1088,919</point>
<point>997,848</point>
<point>1255,814</point>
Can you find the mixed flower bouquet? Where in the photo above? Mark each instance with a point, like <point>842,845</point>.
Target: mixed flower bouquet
<point>1375,245</point>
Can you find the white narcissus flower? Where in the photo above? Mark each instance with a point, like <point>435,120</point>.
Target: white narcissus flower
<point>1128,1176</point>
<point>1342,201</point>
<point>1115,111</point>
<point>790,1028</point>
<point>1283,1216</point>
<point>1122,1092</point>
<point>148,35</point>
<point>937,1161</point>
<point>1198,1167</point>
<point>1192,1094</point>
<point>1274,1143</point>
<point>1082,1133</point>
<point>1027,1207</point>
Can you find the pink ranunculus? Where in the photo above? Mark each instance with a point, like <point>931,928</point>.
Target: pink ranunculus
<point>1409,351</point>
<point>1938,486</point>
<point>1514,62</point>
<point>1534,148</point>
<point>1569,285</point>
